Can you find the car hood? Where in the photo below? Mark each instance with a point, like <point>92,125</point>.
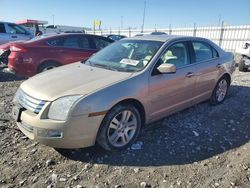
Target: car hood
<point>73,79</point>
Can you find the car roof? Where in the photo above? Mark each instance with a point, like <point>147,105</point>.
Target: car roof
<point>162,38</point>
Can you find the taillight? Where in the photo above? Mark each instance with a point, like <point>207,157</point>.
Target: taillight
<point>17,49</point>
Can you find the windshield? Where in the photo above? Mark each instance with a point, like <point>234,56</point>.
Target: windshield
<point>125,55</point>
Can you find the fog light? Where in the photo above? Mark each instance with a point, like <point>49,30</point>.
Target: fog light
<point>46,133</point>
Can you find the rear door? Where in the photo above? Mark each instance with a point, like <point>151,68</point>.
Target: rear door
<point>4,36</point>
<point>207,62</point>
<point>75,48</point>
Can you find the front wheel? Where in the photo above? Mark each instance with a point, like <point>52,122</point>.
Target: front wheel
<point>119,128</point>
<point>220,91</point>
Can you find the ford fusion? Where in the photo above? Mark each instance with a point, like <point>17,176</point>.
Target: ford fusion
<point>109,97</point>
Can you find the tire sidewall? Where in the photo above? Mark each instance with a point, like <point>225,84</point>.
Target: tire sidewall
<point>107,120</point>
<point>214,97</point>
<point>47,64</point>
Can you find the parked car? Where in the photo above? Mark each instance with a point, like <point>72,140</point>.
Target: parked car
<point>109,97</point>
<point>158,33</point>
<point>115,37</point>
<point>43,53</point>
<point>5,49</point>
<point>244,52</point>
<point>10,32</point>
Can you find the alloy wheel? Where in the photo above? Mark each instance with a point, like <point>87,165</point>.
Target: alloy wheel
<point>122,128</point>
<point>221,90</point>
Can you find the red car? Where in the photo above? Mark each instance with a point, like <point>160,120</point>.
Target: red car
<point>28,58</point>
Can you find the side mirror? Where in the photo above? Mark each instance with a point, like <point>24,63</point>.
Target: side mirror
<point>166,68</point>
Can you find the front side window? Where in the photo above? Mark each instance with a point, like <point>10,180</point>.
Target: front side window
<point>126,55</point>
<point>2,28</point>
<point>176,54</point>
<point>203,51</point>
<point>16,29</point>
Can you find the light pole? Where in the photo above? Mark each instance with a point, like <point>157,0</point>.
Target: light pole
<point>121,22</point>
<point>53,19</point>
<point>143,18</point>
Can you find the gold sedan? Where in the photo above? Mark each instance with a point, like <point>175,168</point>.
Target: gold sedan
<point>132,82</point>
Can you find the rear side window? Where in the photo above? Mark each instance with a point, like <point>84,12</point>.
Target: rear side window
<point>203,51</point>
<point>70,42</point>
<point>2,28</point>
<point>100,43</point>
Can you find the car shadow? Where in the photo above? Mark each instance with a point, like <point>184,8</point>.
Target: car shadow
<point>195,134</point>
<point>7,77</point>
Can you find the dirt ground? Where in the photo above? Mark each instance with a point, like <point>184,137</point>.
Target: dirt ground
<point>203,146</point>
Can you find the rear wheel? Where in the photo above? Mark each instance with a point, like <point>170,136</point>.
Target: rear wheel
<point>220,91</point>
<point>119,128</point>
<point>47,66</point>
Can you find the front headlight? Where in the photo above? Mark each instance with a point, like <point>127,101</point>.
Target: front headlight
<point>59,109</point>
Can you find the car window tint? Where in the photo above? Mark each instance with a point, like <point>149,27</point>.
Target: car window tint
<point>177,54</point>
<point>100,43</point>
<point>84,42</point>
<point>72,42</point>
<point>202,51</point>
<point>2,28</point>
<point>16,29</point>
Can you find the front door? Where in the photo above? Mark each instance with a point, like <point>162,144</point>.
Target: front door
<point>16,32</point>
<point>174,91</point>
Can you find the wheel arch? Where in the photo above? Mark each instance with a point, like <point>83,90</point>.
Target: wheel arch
<point>139,106</point>
<point>47,61</point>
<point>228,77</point>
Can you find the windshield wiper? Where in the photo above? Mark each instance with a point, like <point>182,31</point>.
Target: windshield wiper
<point>103,66</point>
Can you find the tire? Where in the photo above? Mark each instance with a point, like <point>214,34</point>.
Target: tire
<point>242,65</point>
<point>117,134</point>
<point>220,91</point>
<point>47,66</point>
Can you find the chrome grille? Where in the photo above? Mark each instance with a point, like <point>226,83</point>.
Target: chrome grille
<point>28,102</point>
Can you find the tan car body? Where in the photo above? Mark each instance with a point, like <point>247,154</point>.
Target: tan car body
<point>155,96</point>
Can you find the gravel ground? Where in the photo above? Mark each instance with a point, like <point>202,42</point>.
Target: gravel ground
<point>203,146</point>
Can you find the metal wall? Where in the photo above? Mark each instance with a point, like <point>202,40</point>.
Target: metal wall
<point>228,37</point>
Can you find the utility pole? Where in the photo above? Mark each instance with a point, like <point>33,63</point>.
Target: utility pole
<point>143,19</point>
<point>121,22</point>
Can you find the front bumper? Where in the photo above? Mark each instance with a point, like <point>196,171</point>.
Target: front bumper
<point>76,132</point>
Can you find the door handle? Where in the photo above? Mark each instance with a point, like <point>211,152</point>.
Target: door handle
<point>190,74</point>
<point>14,37</point>
<point>218,65</point>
